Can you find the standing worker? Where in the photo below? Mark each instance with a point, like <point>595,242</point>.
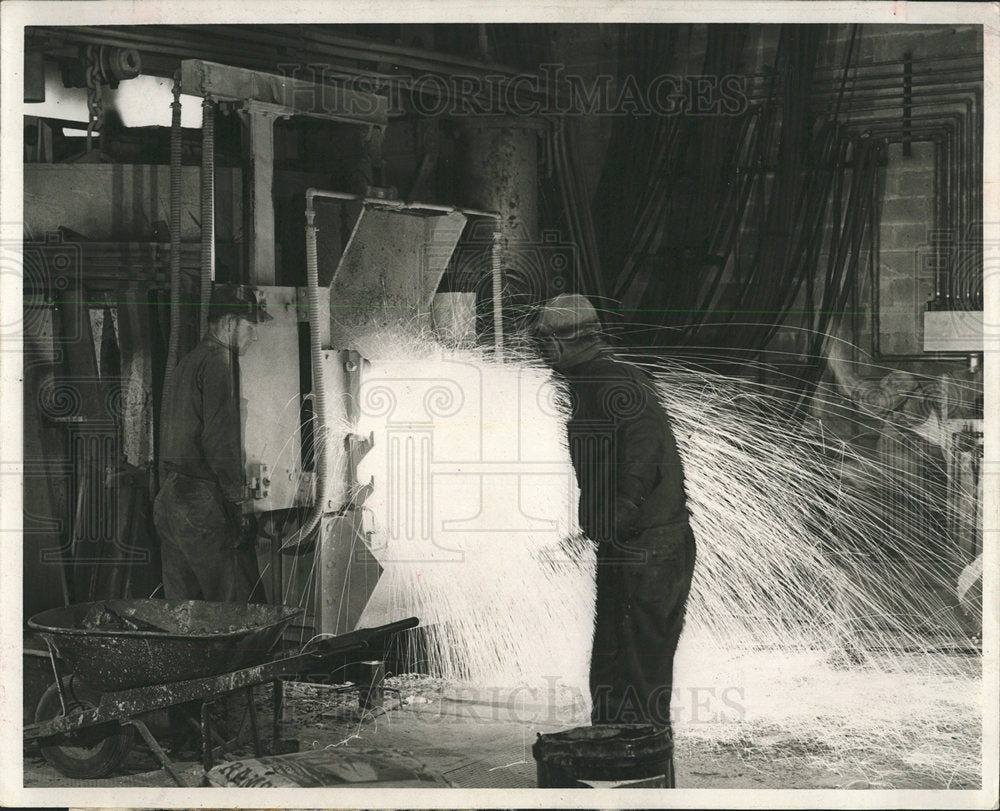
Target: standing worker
<point>205,549</point>
<point>633,505</point>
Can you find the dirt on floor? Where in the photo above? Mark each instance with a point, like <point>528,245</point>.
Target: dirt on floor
<point>483,739</point>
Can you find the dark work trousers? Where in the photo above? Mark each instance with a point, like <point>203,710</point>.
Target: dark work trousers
<point>201,561</point>
<point>639,618</point>
<point>199,544</point>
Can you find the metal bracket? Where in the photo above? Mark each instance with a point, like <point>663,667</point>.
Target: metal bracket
<point>259,296</point>
<point>253,107</point>
<point>306,488</point>
<point>357,447</point>
<point>260,480</point>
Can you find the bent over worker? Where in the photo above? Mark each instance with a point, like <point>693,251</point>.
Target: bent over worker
<point>198,509</point>
<point>633,505</point>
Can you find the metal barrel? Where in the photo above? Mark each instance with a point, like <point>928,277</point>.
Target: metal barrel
<point>606,756</point>
<point>371,693</point>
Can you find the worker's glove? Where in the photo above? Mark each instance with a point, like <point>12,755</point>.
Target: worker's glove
<point>242,526</point>
<point>248,529</point>
<point>233,520</point>
<point>626,514</point>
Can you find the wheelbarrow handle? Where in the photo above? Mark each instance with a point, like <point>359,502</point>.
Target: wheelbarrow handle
<point>358,638</point>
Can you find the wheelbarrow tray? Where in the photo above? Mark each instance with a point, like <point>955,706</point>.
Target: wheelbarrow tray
<point>122,644</point>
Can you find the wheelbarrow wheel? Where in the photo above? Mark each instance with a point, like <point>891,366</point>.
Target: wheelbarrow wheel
<point>88,753</point>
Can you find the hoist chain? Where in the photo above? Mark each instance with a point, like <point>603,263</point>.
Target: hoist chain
<point>95,103</point>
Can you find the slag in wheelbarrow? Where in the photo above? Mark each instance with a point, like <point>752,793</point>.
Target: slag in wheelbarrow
<point>121,644</point>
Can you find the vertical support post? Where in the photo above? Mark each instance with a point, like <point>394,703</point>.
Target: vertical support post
<point>254,727</point>
<point>207,760</point>
<point>279,700</point>
<point>499,170</point>
<point>260,120</point>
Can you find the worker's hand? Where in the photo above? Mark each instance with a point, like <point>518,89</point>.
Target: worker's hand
<point>248,529</point>
<point>242,526</point>
<point>233,521</point>
<point>626,514</point>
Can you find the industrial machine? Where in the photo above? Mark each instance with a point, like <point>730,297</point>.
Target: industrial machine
<point>373,261</point>
<point>301,451</point>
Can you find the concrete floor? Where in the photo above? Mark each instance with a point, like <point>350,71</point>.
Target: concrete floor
<point>482,744</point>
<point>470,745</point>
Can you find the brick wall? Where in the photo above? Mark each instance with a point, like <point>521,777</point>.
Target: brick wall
<point>904,261</point>
<point>905,280</point>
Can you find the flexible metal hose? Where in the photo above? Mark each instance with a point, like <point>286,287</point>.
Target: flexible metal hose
<point>497,271</point>
<point>207,209</point>
<point>318,380</point>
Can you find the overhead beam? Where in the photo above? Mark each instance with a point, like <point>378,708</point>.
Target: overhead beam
<point>285,95</point>
<point>261,98</point>
<point>319,41</point>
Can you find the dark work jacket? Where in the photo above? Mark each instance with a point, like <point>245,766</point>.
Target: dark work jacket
<point>623,450</point>
<point>200,434</point>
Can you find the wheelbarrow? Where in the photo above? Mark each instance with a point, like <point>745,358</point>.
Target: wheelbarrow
<point>127,658</point>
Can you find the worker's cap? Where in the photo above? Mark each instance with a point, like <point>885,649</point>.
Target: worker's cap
<point>567,316</point>
<point>238,300</point>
